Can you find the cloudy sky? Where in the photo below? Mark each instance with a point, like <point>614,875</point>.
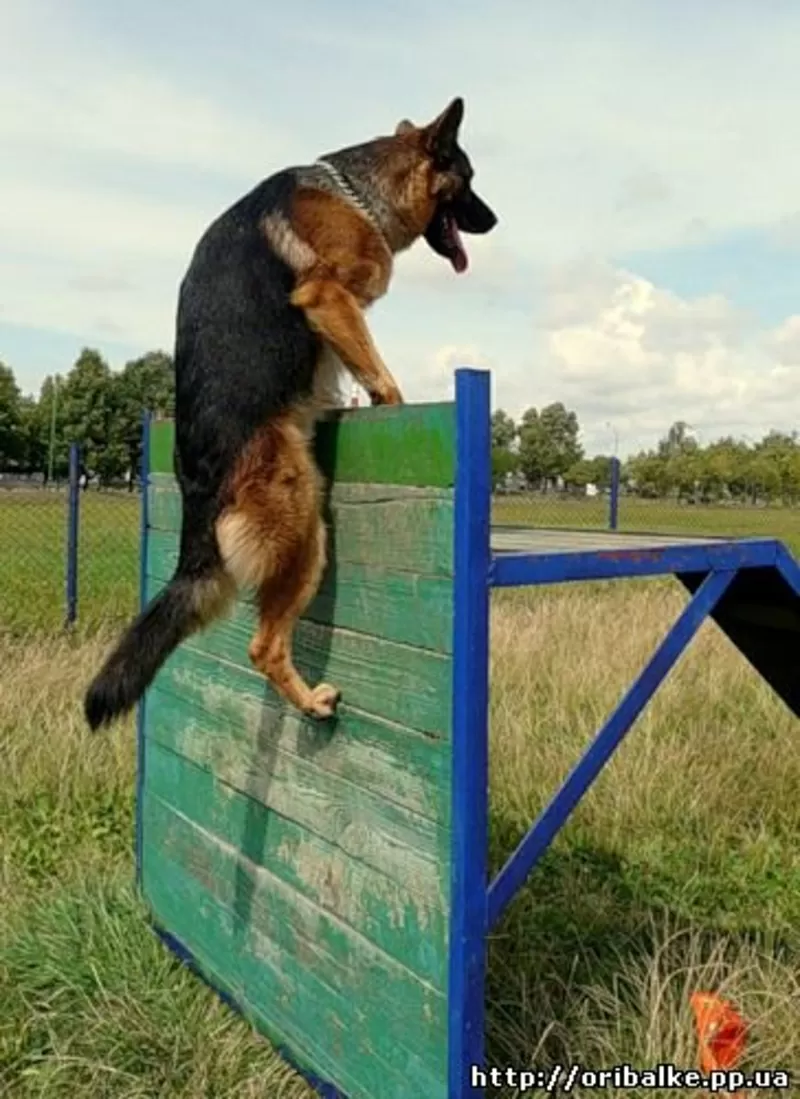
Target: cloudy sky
<point>642,157</point>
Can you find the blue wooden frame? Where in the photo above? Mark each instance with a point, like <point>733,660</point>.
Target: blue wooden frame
<point>709,569</point>
<point>512,570</point>
<point>144,534</point>
<point>470,808</point>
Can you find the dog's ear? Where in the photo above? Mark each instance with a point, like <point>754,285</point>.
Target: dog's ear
<point>441,135</point>
<point>404,127</point>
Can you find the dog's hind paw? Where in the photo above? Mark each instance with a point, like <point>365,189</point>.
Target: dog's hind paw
<point>324,700</point>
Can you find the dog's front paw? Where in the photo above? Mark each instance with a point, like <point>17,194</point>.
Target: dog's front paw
<point>324,700</point>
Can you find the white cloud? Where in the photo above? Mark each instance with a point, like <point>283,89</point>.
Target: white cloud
<point>620,350</point>
<point>61,93</point>
<point>88,206</point>
<point>438,378</point>
<point>591,137</point>
<point>784,343</point>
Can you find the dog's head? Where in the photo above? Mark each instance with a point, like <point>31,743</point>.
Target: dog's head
<point>453,207</point>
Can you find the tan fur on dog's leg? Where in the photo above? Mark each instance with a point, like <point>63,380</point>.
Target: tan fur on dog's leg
<point>271,537</point>
<point>281,602</point>
<point>335,314</point>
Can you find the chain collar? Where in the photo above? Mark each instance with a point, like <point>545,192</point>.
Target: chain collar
<point>347,188</point>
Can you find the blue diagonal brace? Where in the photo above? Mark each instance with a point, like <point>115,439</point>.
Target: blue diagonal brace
<point>552,819</point>
<point>789,568</point>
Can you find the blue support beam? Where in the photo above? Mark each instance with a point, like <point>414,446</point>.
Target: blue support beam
<point>535,843</point>
<point>470,796</point>
<point>512,570</point>
<point>789,568</point>
<point>144,535</point>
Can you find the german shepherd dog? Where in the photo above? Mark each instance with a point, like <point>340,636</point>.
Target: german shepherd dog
<point>271,307</point>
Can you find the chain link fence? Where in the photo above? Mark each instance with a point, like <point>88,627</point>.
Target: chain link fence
<point>559,506</point>
<point>639,499</point>
<point>69,552</point>
<point>33,554</point>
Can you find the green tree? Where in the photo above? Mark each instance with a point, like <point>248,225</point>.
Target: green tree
<point>649,473</point>
<point>678,440</point>
<point>10,419</point>
<point>33,454</point>
<point>779,450</point>
<point>792,477</point>
<point>682,469</point>
<point>548,443</point>
<point>764,476</point>
<point>48,432</point>
<point>89,407</point>
<point>504,461</point>
<point>722,469</point>
<point>504,430</point>
<point>146,384</point>
<point>590,471</point>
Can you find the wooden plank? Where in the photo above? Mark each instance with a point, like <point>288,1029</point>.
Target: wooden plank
<point>406,445</point>
<point>400,530</point>
<point>307,863</point>
<point>264,904</point>
<point>533,540</point>
<point>164,500</point>
<point>401,921</point>
<point>395,763</point>
<point>204,927</point>
<point>407,849</point>
<point>398,683</point>
<point>398,606</point>
<point>182,905</point>
<point>358,1003</point>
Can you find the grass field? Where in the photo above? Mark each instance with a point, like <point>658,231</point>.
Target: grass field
<point>681,869</point>
<point>652,517</point>
<point>33,552</point>
<point>33,540</point>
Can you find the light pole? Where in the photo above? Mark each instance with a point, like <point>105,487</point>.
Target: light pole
<point>615,433</point>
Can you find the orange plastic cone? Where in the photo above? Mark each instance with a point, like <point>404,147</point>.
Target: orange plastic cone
<point>721,1031</point>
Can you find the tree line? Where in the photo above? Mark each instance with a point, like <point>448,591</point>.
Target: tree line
<point>543,451</point>
<point>93,406</point>
<point>102,410</point>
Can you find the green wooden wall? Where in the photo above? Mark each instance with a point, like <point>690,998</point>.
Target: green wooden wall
<point>307,866</point>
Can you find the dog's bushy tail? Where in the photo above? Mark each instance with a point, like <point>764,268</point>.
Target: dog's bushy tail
<point>130,669</point>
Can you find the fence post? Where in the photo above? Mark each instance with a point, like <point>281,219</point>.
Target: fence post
<point>144,512</point>
<point>613,502</point>
<point>73,511</point>
<point>144,517</point>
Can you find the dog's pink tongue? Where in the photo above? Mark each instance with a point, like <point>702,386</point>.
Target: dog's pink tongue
<point>459,259</point>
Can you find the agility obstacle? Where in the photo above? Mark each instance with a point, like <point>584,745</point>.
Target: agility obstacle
<point>330,880</point>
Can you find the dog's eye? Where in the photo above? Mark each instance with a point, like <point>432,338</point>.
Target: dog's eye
<point>452,183</point>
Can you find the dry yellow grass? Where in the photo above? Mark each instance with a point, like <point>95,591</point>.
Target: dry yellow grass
<point>90,1003</point>
<point>679,871</point>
